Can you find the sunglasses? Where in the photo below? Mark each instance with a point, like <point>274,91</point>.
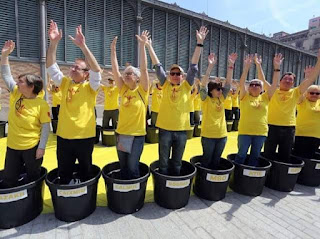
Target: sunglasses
<point>314,93</point>
<point>218,89</point>
<point>175,73</point>
<point>255,85</point>
<point>18,104</point>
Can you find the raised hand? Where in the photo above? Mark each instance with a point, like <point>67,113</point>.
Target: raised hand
<point>144,37</point>
<point>113,45</point>
<point>277,61</point>
<point>201,34</point>
<point>54,33</point>
<point>248,59</point>
<point>79,39</point>
<point>257,59</point>
<point>212,59</point>
<point>308,71</point>
<point>8,47</point>
<point>232,59</point>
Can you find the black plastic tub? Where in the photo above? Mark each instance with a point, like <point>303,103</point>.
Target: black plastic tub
<point>125,196</point>
<point>197,131</point>
<point>249,180</point>
<point>21,204</point>
<point>229,125</point>
<point>283,176</point>
<point>108,137</point>
<point>98,132</point>
<point>73,202</point>
<point>54,124</point>
<point>211,184</point>
<point>152,136</point>
<point>172,192</point>
<point>3,129</point>
<point>310,173</point>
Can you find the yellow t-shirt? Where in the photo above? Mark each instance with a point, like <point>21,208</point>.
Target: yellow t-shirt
<point>56,97</point>
<point>254,115</point>
<point>228,102</point>
<point>235,101</point>
<point>213,118</point>
<point>25,119</point>
<point>156,100</point>
<point>282,107</point>
<point>174,112</point>
<point>111,97</point>
<point>197,103</point>
<point>41,94</point>
<point>132,112</point>
<point>308,119</point>
<point>76,116</point>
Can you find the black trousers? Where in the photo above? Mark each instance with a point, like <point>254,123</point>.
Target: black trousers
<point>281,137</point>
<point>68,151</point>
<point>18,162</point>
<point>306,147</point>
<point>197,117</point>
<point>55,112</point>
<point>228,114</point>
<point>235,113</point>
<point>192,118</point>
<point>110,114</point>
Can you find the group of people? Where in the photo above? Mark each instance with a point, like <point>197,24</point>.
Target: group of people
<point>268,113</point>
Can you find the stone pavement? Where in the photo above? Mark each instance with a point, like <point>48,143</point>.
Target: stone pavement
<point>272,215</point>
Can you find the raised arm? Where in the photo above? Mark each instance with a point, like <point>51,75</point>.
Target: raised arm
<point>161,74</point>
<point>114,63</point>
<point>312,78</point>
<point>144,78</point>
<point>231,60</point>
<point>307,73</point>
<point>5,67</point>
<point>277,61</point>
<point>261,76</point>
<point>247,64</point>
<point>205,79</point>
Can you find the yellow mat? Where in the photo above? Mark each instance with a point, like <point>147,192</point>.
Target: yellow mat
<point>103,155</point>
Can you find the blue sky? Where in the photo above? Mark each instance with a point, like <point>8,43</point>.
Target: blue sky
<point>264,16</point>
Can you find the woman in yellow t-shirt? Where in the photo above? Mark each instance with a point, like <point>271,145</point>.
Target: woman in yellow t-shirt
<point>253,126</point>
<point>307,139</point>
<point>29,124</point>
<point>214,131</point>
<point>56,99</point>
<point>155,102</point>
<point>134,91</point>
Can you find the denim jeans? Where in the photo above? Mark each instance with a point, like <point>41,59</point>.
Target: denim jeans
<point>212,151</point>
<point>175,141</point>
<point>244,142</point>
<point>129,163</point>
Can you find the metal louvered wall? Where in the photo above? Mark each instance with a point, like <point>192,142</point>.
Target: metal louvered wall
<point>172,28</point>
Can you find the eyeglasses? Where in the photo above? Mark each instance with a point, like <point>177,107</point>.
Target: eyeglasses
<point>128,73</point>
<point>255,85</point>
<point>18,104</point>
<point>314,93</point>
<point>77,68</point>
<point>175,73</point>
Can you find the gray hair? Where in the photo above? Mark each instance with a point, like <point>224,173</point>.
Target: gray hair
<point>256,80</point>
<point>135,70</point>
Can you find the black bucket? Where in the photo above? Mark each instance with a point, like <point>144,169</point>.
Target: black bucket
<point>3,129</point>
<point>98,132</point>
<point>54,124</point>
<point>108,137</point>
<point>197,131</point>
<point>125,196</point>
<point>152,136</point>
<point>310,173</point>
<point>211,184</point>
<point>249,180</point>
<point>21,204</point>
<point>229,125</point>
<point>190,132</point>
<point>73,202</point>
<point>172,192</point>
<point>283,176</point>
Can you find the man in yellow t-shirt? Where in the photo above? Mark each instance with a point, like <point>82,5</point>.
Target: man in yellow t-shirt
<point>29,124</point>
<point>282,114</point>
<point>155,102</point>
<point>174,113</point>
<point>111,104</point>
<point>77,122</point>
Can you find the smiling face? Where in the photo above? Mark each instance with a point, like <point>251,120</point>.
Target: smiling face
<point>131,77</point>
<point>287,81</point>
<point>79,71</point>
<point>23,86</point>
<point>313,93</point>
<point>176,76</point>
<point>255,88</point>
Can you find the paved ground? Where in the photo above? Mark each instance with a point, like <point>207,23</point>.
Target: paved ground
<point>272,215</point>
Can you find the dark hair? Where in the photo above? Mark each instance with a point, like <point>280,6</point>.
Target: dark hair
<point>33,80</point>
<point>288,74</point>
<point>213,85</point>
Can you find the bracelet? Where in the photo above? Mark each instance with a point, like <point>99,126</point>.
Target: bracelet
<point>276,69</point>
<point>230,67</point>
<point>200,45</point>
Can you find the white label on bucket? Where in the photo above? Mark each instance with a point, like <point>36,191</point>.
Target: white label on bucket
<point>12,197</point>
<point>177,184</point>
<point>126,187</point>
<point>217,178</point>
<point>254,173</point>
<point>292,170</point>
<point>317,166</point>
<point>77,192</point>
<point>157,131</point>
<point>108,132</point>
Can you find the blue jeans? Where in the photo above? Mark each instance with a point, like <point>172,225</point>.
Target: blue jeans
<point>129,163</point>
<point>212,150</point>
<point>175,140</point>
<point>244,142</point>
